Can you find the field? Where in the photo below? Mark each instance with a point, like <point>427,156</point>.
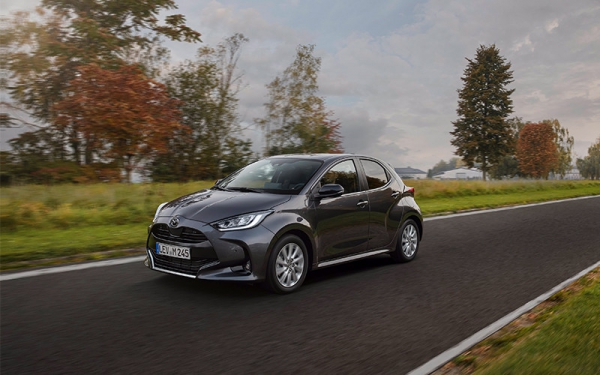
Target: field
<point>38,222</point>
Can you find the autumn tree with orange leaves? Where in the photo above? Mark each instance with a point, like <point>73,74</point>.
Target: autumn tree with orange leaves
<point>43,49</point>
<point>536,150</point>
<point>126,116</point>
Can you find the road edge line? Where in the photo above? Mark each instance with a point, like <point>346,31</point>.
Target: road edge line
<point>445,357</point>
<point>73,267</point>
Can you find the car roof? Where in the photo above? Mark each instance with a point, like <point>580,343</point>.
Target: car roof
<point>322,157</point>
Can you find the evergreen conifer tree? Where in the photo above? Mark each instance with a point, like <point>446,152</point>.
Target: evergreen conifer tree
<point>481,134</point>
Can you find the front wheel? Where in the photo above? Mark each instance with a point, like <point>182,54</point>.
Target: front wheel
<point>288,265</point>
<point>408,243</point>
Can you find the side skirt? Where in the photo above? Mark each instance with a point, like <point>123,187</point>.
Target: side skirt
<point>328,263</point>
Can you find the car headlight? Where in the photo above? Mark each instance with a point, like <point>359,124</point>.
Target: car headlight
<point>239,222</point>
<point>160,206</point>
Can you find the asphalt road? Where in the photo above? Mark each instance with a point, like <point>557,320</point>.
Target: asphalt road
<point>366,317</point>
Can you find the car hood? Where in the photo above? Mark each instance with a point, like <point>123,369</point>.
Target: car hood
<point>211,205</point>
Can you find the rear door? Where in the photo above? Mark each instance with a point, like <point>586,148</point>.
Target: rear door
<point>384,212</point>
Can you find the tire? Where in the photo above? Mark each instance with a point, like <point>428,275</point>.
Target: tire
<point>408,242</point>
<point>288,265</point>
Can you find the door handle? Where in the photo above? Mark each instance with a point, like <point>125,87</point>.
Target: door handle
<point>362,204</point>
<point>395,194</point>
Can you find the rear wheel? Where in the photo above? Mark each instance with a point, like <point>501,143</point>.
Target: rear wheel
<point>408,242</point>
<point>288,265</point>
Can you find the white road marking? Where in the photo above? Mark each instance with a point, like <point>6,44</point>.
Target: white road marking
<point>73,267</point>
<point>443,358</point>
<point>485,211</point>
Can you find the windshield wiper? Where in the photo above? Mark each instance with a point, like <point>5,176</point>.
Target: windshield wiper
<point>245,189</point>
<point>220,188</point>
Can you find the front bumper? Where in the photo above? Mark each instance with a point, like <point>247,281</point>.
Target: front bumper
<point>215,255</point>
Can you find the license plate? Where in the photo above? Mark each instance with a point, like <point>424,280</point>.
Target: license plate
<point>173,251</point>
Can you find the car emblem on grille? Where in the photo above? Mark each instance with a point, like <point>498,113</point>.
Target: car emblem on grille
<point>174,221</point>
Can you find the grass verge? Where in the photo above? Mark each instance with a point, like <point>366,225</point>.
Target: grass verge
<point>559,336</point>
<point>18,247</point>
<point>440,205</point>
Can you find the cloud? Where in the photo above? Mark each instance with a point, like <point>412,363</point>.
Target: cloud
<point>391,73</point>
<point>409,77</point>
<point>551,25</point>
<point>524,43</point>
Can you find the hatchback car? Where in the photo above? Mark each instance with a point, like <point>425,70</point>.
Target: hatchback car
<point>278,218</point>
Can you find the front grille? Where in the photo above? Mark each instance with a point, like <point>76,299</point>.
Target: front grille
<point>181,234</point>
<point>188,267</point>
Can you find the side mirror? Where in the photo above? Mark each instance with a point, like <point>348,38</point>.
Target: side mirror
<point>330,191</point>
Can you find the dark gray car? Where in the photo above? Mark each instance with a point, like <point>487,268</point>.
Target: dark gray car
<point>276,219</point>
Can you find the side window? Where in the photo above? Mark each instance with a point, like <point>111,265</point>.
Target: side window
<point>375,173</point>
<point>344,174</point>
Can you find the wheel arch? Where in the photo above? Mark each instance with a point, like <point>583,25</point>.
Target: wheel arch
<point>299,231</point>
<point>417,220</point>
<point>307,242</point>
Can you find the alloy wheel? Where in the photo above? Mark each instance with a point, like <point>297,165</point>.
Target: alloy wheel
<point>410,239</point>
<point>289,265</point>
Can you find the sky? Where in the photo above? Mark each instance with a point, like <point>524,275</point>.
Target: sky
<point>391,69</point>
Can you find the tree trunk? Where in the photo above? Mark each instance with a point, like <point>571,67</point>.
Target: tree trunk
<point>484,169</point>
<point>128,168</point>
<point>88,156</point>
<point>75,146</point>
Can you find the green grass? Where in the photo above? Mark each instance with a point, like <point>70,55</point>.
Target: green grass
<point>48,243</point>
<point>567,341</point>
<point>76,206</point>
<point>427,189</point>
<point>53,221</point>
<point>490,199</point>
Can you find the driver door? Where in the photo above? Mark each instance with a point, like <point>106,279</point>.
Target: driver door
<point>342,223</point>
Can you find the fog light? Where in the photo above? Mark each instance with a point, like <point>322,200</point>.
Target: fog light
<point>248,266</point>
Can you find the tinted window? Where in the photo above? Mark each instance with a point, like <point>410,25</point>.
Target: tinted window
<point>280,176</point>
<point>376,176</point>
<point>343,174</point>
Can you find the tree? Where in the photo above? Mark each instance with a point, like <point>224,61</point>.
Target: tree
<point>589,166</point>
<point>481,133</point>
<point>239,154</point>
<point>297,120</point>
<point>32,151</point>
<point>207,90</point>
<point>443,166</point>
<point>43,55</point>
<point>508,166</point>
<point>7,171</point>
<point>564,146</point>
<point>536,150</point>
<point>126,116</point>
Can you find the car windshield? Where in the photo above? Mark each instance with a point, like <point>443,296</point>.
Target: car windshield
<point>278,176</point>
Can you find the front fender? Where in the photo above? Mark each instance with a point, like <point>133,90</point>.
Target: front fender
<point>285,223</point>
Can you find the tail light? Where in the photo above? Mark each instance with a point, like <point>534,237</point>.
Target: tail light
<point>410,190</point>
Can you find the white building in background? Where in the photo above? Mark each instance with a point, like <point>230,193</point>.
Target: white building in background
<point>409,173</point>
<point>572,174</point>
<point>460,174</point>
